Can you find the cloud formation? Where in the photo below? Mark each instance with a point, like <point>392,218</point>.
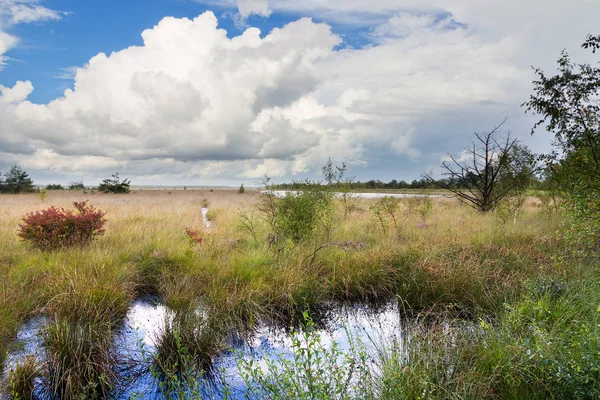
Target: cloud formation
<point>13,12</point>
<point>192,103</point>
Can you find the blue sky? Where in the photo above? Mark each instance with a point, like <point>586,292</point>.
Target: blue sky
<point>49,48</point>
<point>388,86</point>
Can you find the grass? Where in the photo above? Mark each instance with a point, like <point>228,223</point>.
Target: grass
<point>80,359</point>
<point>21,379</point>
<point>451,260</point>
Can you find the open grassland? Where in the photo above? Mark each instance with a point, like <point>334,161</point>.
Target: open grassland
<point>524,283</point>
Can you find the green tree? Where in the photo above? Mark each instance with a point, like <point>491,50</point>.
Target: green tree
<point>568,106</point>
<point>16,181</point>
<point>114,185</point>
<point>77,185</point>
<point>333,174</point>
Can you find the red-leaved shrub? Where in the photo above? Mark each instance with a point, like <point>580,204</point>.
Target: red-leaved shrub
<point>56,227</point>
<point>193,235</point>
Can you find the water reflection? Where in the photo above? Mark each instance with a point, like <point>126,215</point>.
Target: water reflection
<point>145,321</point>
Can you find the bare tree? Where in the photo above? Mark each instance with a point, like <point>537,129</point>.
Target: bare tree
<point>494,167</point>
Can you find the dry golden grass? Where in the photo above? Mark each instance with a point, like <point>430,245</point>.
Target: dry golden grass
<point>456,256</point>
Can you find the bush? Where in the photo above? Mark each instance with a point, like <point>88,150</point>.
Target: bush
<point>54,186</point>
<point>386,210</point>
<point>76,185</point>
<point>56,227</point>
<point>299,214</point>
<point>114,185</point>
<point>241,189</point>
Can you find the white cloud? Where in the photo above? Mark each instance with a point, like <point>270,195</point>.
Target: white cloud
<point>17,93</point>
<point>249,7</point>
<point>6,43</point>
<point>14,12</point>
<point>19,11</point>
<point>192,102</point>
<point>189,94</point>
<point>405,24</point>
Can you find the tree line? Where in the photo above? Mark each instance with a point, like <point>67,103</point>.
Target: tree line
<point>17,181</point>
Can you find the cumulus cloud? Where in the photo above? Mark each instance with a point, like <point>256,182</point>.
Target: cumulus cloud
<point>189,94</point>
<point>17,93</point>
<point>192,102</point>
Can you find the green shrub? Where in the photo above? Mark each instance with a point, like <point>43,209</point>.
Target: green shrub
<point>76,185</point>
<point>386,211</point>
<point>314,371</point>
<point>43,195</point>
<point>299,214</point>
<point>54,186</point>
<point>114,185</point>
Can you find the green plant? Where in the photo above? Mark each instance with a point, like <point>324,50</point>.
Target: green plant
<point>78,185</point>
<point>386,210</point>
<point>80,359</point>
<point>509,208</point>
<point>16,181</point>
<point>22,379</point>
<point>313,371</point>
<point>178,380</point>
<point>299,214</point>
<point>43,195</point>
<point>53,186</point>
<point>567,104</point>
<point>114,185</point>
<point>188,342</point>
<point>241,189</point>
<point>551,201</point>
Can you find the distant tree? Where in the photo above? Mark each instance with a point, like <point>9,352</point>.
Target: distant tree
<point>241,189</point>
<point>16,181</point>
<point>114,185</point>
<point>77,185</point>
<point>490,170</point>
<point>54,186</point>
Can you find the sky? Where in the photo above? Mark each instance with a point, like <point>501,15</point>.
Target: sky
<point>220,92</point>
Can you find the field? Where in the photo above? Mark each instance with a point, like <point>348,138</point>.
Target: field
<point>504,308</point>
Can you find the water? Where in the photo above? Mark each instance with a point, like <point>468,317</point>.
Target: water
<point>146,318</point>
<point>283,193</point>
<point>205,219</point>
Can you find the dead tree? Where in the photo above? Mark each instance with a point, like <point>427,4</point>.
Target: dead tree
<point>483,175</point>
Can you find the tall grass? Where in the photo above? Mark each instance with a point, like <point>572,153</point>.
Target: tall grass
<point>80,359</point>
<point>450,259</point>
<point>22,378</point>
